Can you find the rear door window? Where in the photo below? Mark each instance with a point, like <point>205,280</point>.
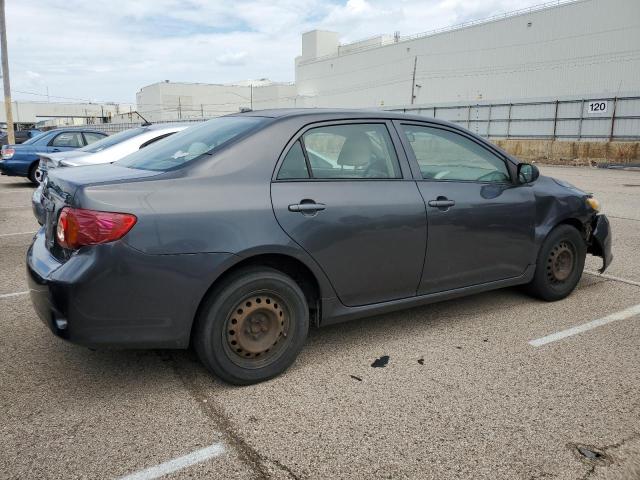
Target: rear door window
<point>351,151</point>
<point>68,139</point>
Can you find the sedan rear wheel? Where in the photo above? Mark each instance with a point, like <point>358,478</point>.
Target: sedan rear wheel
<point>252,326</point>
<point>560,264</point>
<point>33,178</point>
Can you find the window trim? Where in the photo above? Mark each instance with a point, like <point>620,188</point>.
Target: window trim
<point>415,165</point>
<point>396,144</point>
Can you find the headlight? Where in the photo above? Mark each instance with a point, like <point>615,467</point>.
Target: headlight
<point>593,203</point>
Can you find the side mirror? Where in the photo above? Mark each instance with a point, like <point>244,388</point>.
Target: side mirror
<point>527,173</point>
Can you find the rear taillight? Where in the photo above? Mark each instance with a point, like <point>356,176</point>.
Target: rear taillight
<point>77,227</point>
<point>7,153</point>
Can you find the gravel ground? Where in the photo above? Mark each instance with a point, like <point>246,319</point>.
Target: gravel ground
<point>463,395</point>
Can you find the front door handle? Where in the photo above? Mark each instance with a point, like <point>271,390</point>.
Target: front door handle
<point>442,202</point>
<point>307,207</point>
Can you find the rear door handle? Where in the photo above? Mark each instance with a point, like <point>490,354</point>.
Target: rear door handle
<point>442,203</point>
<point>307,207</point>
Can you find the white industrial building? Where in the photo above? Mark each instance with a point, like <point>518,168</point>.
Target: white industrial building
<point>174,100</point>
<point>584,47</point>
<point>557,50</point>
<point>28,114</point>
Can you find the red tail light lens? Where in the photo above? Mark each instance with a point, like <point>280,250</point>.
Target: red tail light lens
<point>77,227</point>
<point>8,153</point>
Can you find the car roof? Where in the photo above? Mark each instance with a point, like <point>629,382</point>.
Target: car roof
<point>338,113</point>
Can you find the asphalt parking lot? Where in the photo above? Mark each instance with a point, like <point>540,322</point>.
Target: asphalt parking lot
<point>463,395</point>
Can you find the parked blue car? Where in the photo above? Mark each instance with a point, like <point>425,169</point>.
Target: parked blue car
<point>22,160</point>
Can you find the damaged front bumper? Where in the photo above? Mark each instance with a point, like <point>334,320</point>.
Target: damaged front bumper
<point>600,240</point>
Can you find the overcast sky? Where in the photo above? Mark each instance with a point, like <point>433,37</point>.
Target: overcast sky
<point>106,51</point>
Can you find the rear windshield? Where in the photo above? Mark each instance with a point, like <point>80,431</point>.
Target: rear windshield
<point>111,140</point>
<point>191,143</point>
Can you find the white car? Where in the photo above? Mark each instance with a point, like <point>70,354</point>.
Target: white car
<point>107,150</point>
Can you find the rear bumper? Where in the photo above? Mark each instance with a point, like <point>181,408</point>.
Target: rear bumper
<point>113,295</point>
<point>13,168</point>
<point>600,244</point>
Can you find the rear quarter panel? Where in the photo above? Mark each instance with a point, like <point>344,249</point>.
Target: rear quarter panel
<point>219,204</point>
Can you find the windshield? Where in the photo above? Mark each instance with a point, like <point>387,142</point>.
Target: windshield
<point>191,143</point>
<point>111,140</point>
<point>36,138</point>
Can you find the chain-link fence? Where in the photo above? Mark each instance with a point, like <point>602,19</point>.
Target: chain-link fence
<point>616,118</point>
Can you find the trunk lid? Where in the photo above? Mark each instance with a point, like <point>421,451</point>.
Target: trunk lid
<point>61,184</point>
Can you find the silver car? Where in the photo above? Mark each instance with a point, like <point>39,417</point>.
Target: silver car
<point>107,150</point>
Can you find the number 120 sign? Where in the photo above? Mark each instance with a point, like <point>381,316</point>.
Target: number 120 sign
<point>598,106</point>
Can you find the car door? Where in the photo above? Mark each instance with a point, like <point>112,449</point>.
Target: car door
<point>342,192</point>
<point>480,222</point>
<point>65,141</point>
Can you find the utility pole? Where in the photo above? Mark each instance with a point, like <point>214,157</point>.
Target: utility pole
<point>251,100</point>
<point>179,108</point>
<point>413,80</point>
<point>11,138</point>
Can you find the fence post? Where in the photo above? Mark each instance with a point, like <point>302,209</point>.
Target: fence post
<point>555,121</point>
<point>613,117</point>
<point>468,116</point>
<point>509,120</point>
<point>489,122</point>
<point>434,112</point>
<point>581,119</point>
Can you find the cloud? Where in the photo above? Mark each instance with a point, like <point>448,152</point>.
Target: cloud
<point>111,50</point>
<point>234,59</point>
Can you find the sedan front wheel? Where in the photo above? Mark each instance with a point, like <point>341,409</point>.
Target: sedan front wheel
<point>559,265</point>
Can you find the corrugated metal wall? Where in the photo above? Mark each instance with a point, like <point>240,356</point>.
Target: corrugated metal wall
<point>588,119</point>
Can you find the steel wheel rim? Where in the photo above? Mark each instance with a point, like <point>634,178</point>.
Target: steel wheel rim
<point>561,262</point>
<point>257,330</point>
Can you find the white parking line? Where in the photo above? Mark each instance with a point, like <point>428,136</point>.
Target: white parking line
<point>554,337</point>
<point>7,295</point>
<point>177,463</point>
<point>14,234</point>
<point>17,206</point>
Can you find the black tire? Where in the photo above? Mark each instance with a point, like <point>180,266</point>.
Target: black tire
<point>32,174</point>
<point>559,265</point>
<point>263,299</point>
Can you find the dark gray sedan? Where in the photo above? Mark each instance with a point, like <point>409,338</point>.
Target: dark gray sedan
<point>236,234</point>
